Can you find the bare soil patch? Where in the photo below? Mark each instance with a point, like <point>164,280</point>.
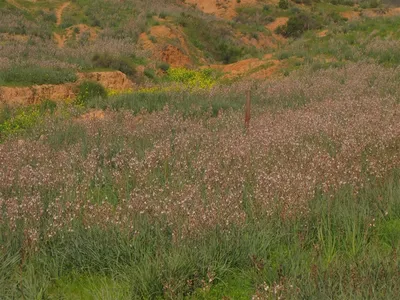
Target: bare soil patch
<point>59,12</point>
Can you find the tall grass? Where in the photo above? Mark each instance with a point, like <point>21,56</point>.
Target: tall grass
<point>345,247</point>
<point>160,203</point>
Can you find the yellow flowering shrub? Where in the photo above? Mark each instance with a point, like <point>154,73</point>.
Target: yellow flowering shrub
<point>192,78</point>
<point>183,79</point>
<point>21,121</point>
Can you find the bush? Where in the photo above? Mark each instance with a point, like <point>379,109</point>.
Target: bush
<point>162,15</point>
<point>298,24</point>
<point>230,53</point>
<point>283,4</point>
<point>89,90</point>
<point>164,66</point>
<point>49,17</point>
<point>123,64</point>
<point>149,73</point>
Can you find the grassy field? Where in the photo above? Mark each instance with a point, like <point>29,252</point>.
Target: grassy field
<point>161,192</point>
<point>165,194</point>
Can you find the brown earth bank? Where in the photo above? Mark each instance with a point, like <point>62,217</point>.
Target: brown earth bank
<point>114,80</point>
<point>59,12</point>
<point>167,44</point>
<point>254,68</point>
<point>371,13</point>
<point>274,25</point>
<point>221,8</point>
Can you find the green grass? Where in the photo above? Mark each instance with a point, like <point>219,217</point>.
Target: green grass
<point>368,38</point>
<point>190,104</point>
<point>344,247</point>
<point>333,252</point>
<point>31,75</point>
<point>88,287</point>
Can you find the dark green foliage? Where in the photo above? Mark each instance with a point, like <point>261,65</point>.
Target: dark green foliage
<point>305,2</point>
<point>229,53</point>
<point>149,73</point>
<point>298,24</point>
<point>89,90</point>
<point>164,66</point>
<point>123,64</point>
<point>162,15</point>
<point>343,2</point>
<point>283,4</point>
<point>49,16</point>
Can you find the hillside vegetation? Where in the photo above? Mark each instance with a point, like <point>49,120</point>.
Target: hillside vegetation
<point>143,181</point>
<point>51,40</point>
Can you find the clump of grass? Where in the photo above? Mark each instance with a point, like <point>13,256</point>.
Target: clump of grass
<point>89,90</point>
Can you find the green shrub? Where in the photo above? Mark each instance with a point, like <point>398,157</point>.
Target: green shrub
<point>149,73</point>
<point>123,64</point>
<point>162,15</point>
<point>89,90</point>
<point>298,24</point>
<point>49,17</point>
<point>230,53</point>
<point>283,4</point>
<point>164,66</point>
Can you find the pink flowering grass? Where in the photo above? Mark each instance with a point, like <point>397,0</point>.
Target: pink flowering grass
<point>180,201</point>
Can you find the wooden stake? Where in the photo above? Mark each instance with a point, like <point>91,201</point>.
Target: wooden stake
<point>247,116</point>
